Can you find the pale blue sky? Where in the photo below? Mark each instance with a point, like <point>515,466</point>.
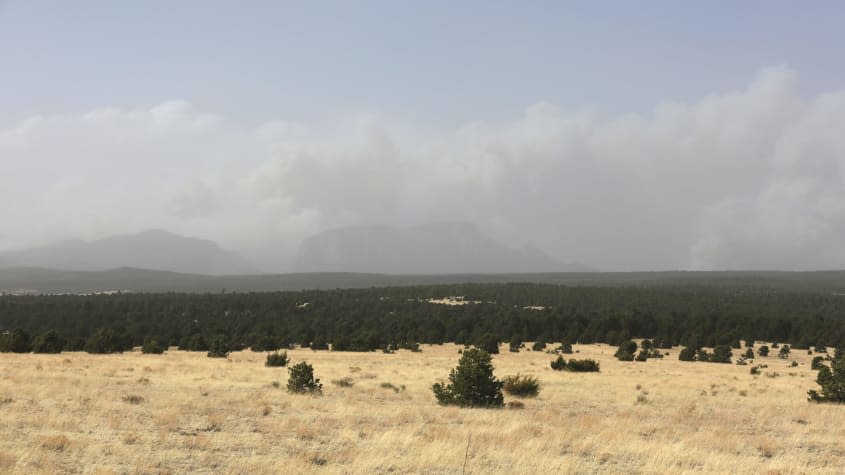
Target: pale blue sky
<point>435,63</point>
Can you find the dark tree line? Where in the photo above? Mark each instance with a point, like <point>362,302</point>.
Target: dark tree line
<point>400,317</point>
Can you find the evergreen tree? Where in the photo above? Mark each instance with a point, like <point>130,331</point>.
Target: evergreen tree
<point>471,383</point>
<point>49,342</point>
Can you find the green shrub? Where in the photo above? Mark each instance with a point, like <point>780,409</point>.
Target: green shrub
<point>515,344</point>
<point>106,340</point>
<point>763,351</point>
<point>319,343</point>
<point>642,355</point>
<point>301,379</point>
<point>687,354</point>
<point>471,383</point>
<point>219,347</point>
<point>49,342</point>
<point>345,382</point>
<point>391,386</point>
<point>626,351</point>
<point>539,344</point>
<point>277,359</point>
<point>832,382</point>
<point>721,354</point>
<point>521,386</point>
<point>264,342</point>
<point>488,343</point>
<point>749,354</point>
<point>564,348</point>
<point>817,362</point>
<point>16,341</point>
<point>783,353</point>
<point>195,342</point>
<point>559,364</point>
<point>152,346</point>
<point>582,366</point>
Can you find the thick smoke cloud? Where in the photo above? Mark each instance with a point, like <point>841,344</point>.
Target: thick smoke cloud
<point>751,178</point>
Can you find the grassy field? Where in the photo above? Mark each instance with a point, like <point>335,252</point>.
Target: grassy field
<point>186,413</point>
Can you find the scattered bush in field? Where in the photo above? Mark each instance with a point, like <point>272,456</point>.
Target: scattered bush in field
<point>775,345</point>
<point>262,343</point>
<point>559,364</point>
<point>16,341</point>
<point>687,354</point>
<point>49,342</point>
<point>817,362</point>
<point>195,342</point>
<point>488,343</point>
<point>564,348</point>
<point>755,370</point>
<point>741,361</point>
<point>388,385</point>
<point>105,340</point>
<point>515,344</point>
<point>516,405</point>
<point>794,364</point>
<point>642,355</point>
<point>539,344</point>
<point>152,346</point>
<point>783,353</point>
<point>626,351</point>
<point>721,354</point>
<point>832,382</point>
<point>301,379</point>
<point>346,382</point>
<point>133,399</point>
<point>646,344</point>
<point>763,351</point>
<point>521,386</point>
<point>219,347</point>
<point>582,366</point>
<point>277,359</point>
<point>749,354</point>
<point>471,383</point>
<point>319,343</point>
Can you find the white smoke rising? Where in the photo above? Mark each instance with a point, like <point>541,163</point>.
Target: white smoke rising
<point>751,178</point>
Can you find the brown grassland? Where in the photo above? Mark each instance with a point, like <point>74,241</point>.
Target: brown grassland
<point>186,413</point>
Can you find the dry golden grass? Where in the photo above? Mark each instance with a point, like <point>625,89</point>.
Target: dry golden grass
<point>185,413</point>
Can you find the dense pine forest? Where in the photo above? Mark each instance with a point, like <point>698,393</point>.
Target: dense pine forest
<point>401,317</point>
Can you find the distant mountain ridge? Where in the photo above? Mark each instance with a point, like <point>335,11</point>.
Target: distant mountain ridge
<point>154,249</point>
<point>48,281</point>
<point>445,248</point>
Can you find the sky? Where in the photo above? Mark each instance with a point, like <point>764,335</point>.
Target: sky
<point>622,135</point>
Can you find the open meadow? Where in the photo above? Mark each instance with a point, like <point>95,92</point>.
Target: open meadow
<point>183,412</point>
